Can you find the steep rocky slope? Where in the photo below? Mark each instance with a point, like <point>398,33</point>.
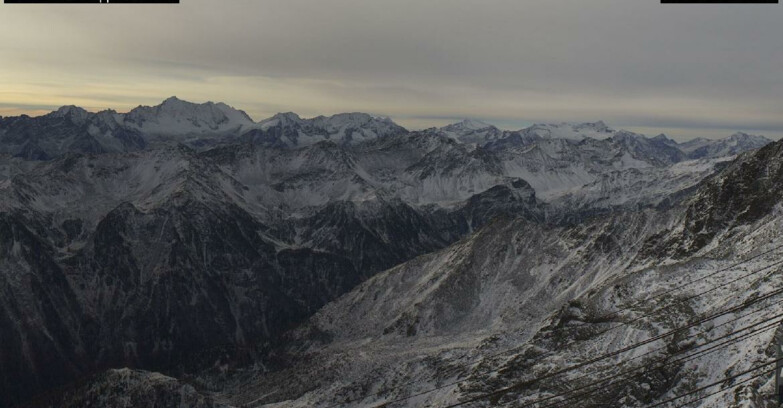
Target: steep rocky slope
<point>170,260</point>
<point>519,313</point>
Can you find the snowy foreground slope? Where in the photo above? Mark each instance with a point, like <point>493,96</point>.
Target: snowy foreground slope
<point>347,261</point>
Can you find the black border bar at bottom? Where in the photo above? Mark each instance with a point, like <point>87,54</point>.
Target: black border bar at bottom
<point>91,1</point>
<point>719,1</point>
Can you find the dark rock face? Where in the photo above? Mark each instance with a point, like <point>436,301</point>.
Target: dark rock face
<point>516,198</point>
<point>174,289</point>
<point>659,151</point>
<point>375,238</point>
<point>288,129</point>
<point>40,315</point>
<point>165,282</point>
<point>744,192</point>
<point>50,136</point>
<point>194,279</point>
<point>734,144</point>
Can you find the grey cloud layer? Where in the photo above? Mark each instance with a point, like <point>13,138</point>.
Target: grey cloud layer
<point>632,61</point>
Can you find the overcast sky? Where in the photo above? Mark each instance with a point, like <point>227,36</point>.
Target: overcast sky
<point>686,70</point>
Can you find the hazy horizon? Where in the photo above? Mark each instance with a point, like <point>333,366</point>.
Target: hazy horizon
<point>414,124</point>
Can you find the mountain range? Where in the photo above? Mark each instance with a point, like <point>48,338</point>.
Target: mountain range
<point>185,254</point>
<point>71,129</point>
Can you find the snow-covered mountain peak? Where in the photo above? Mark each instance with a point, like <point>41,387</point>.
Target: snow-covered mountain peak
<point>661,137</point>
<point>741,137</point>
<point>356,126</point>
<point>350,117</point>
<point>175,117</point>
<point>599,127</point>
<point>178,107</point>
<point>107,119</point>
<point>472,131</point>
<point>627,134</point>
<point>572,131</point>
<point>467,124</point>
<point>69,110</point>
<point>342,120</point>
<point>289,129</point>
<point>729,146</point>
<point>356,120</point>
<point>385,119</point>
<point>283,119</point>
<point>72,112</point>
<point>173,101</point>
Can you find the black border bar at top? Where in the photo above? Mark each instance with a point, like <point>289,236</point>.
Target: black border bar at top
<point>719,1</point>
<point>91,1</point>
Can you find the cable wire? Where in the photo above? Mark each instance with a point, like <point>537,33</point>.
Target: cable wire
<point>616,313</point>
<point>647,353</point>
<point>606,382</point>
<point>621,324</point>
<point>717,383</point>
<point>532,381</point>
